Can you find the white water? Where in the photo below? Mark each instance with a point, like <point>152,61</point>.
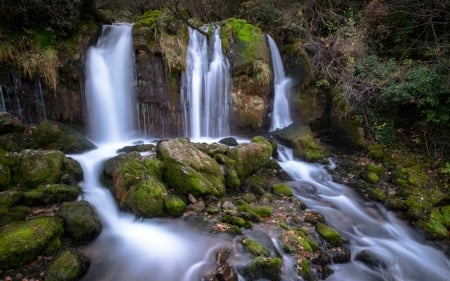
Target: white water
<point>281,116</point>
<point>368,227</point>
<point>180,250</point>
<point>207,87</point>
<point>127,249</point>
<point>110,85</point>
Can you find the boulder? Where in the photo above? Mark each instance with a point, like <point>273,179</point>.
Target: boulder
<point>22,242</point>
<point>55,136</point>
<point>301,139</point>
<point>38,167</point>
<point>69,265</point>
<point>51,194</point>
<point>189,170</point>
<point>81,222</point>
<point>146,199</point>
<point>248,158</point>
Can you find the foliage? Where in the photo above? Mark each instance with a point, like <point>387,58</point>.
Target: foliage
<point>149,19</point>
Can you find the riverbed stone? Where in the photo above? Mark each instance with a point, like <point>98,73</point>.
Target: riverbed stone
<point>189,170</point>
<point>56,136</point>
<point>81,221</point>
<point>69,265</point>
<point>146,199</point>
<point>39,167</point>
<point>329,234</point>
<point>21,242</point>
<point>250,157</point>
<point>51,193</point>
<point>301,139</point>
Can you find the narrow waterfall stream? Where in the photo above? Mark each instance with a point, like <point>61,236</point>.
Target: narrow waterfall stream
<point>281,116</point>
<point>183,250</point>
<point>207,87</point>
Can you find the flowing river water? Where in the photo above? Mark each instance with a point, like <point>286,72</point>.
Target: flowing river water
<point>183,249</point>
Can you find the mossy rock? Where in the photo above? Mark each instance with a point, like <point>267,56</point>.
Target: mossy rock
<point>231,177</point>
<point>282,189</point>
<point>69,265</point>
<point>39,167</point>
<point>329,234</point>
<point>51,194</point>
<point>175,206</point>
<point>371,177</point>
<point>255,248</point>
<point>148,19</point>
<point>81,221</point>
<point>146,199</point>
<point>21,242</point>
<point>250,157</point>
<point>72,171</point>
<point>305,270</point>
<point>10,198</point>
<point>376,151</point>
<point>234,220</point>
<point>263,268</point>
<point>300,138</point>
<point>56,136</point>
<point>189,170</point>
<point>438,224</point>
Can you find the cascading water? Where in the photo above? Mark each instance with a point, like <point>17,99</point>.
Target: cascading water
<point>399,253</point>
<point>281,116</point>
<point>110,85</point>
<point>162,250</point>
<point>207,87</point>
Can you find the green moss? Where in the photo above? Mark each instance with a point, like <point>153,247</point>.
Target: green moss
<point>234,220</point>
<point>255,248</point>
<point>263,267</point>
<point>378,194</point>
<point>21,242</point>
<point>39,167</point>
<point>263,211</point>
<point>82,223</point>
<point>375,169</point>
<point>376,151</point>
<point>146,199</point>
<point>246,34</point>
<point>329,234</point>
<point>371,177</point>
<point>154,167</point>
<point>51,193</point>
<point>305,270</point>
<point>69,265</point>
<point>148,19</point>
<point>175,206</point>
<point>438,224</point>
<point>282,189</point>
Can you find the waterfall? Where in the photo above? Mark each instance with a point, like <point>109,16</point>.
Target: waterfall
<point>110,85</point>
<point>398,252</point>
<point>40,105</point>
<point>207,87</point>
<point>2,100</point>
<point>281,116</point>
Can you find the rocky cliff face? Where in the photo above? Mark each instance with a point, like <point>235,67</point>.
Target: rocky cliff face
<point>56,92</point>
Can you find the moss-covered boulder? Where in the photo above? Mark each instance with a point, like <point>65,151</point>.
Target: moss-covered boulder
<point>69,265</point>
<point>38,167</point>
<point>232,181</point>
<point>51,194</point>
<point>5,172</point>
<point>250,157</point>
<point>263,267</point>
<point>175,206</point>
<point>282,189</point>
<point>146,199</point>
<point>81,222</point>
<point>301,139</point>
<point>189,170</point>
<point>126,170</point>
<point>56,136</point>
<point>329,234</point>
<point>22,242</point>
